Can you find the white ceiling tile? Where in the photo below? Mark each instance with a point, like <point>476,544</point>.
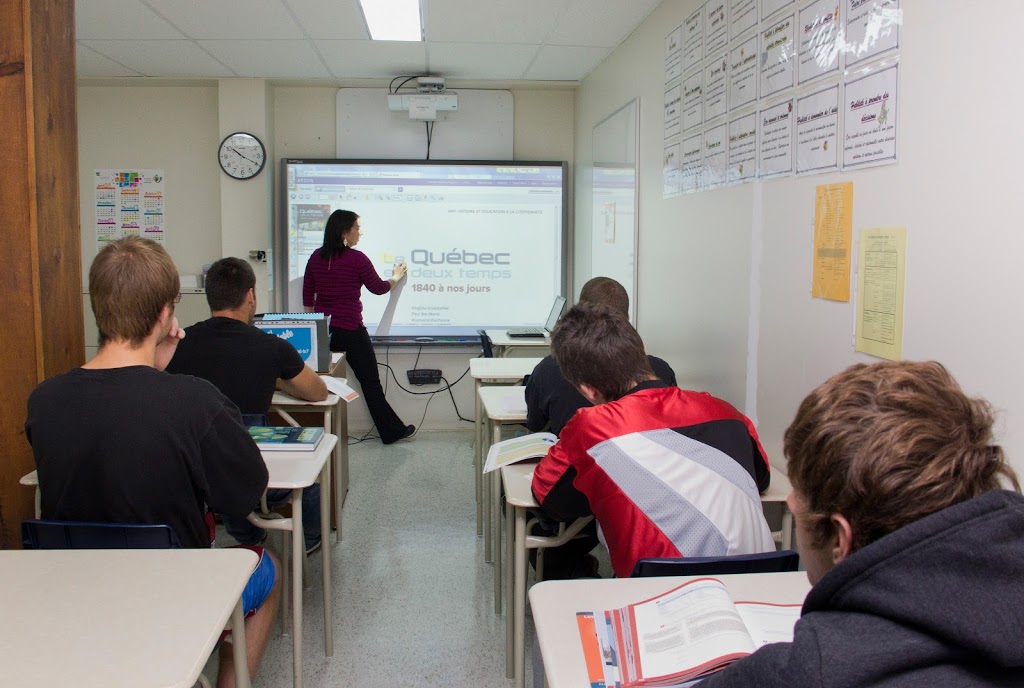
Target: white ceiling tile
<point>269,59</point>
<point>337,20</point>
<point>604,23</point>
<point>230,19</point>
<point>487,21</point>
<point>162,58</point>
<point>91,63</point>
<point>480,60</point>
<point>565,63</point>
<point>119,19</point>
<point>373,59</point>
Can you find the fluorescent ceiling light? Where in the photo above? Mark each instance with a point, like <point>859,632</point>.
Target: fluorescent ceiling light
<point>393,20</point>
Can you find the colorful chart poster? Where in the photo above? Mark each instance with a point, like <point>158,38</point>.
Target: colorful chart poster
<point>743,70</point>
<point>770,7</point>
<point>817,131</point>
<point>870,136</point>
<point>778,56</point>
<point>872,27</point>
<point>833,236</point>
<point>693,100</point>
<point>672,172</point>
<point>129,203</point>
<point>742,148</point>
<point>716,26</point>
<point>693,40</point>
<point>716,102</point>
<point>880,289</point>
<point>693,163</point>
<point>775,152</point>
<point>674,54</point>
<point>742,17</point>
<point>672,99</point>
<point>716,155</point>
<point>819,39</point>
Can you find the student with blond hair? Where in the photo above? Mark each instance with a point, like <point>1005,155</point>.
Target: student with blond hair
<point>913,546</point>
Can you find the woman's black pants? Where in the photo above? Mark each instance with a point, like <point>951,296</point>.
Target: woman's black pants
<point>362,361</point>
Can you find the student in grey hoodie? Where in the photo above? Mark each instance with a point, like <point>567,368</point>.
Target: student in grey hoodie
<point>915,552</point>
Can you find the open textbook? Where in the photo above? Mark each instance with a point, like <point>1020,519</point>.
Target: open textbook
<point>678,637</point>
<point>519,449</point>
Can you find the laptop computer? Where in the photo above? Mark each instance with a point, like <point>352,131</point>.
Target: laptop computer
<point>556,312</point>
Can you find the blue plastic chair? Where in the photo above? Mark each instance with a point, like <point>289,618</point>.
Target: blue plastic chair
<point>765,562</point>
<point>39,534</point>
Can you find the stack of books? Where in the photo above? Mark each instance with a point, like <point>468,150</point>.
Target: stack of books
<point>286,438</point>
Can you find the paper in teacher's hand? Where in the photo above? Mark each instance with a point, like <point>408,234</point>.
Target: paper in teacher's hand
<point>336,385</point>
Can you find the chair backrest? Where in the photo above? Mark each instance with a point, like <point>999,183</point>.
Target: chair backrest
<point>485,344</point>
<point>765,562</point>
<point>36,534</point>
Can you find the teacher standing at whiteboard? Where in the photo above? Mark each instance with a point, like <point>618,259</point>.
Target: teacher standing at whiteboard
<point>335,274</point>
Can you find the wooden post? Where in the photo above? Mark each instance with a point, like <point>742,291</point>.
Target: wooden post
<point>41,323</point>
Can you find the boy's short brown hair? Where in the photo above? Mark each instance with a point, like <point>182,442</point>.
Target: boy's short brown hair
<point>607,291</point>
<point>595,345</point>
<point>130,282</point>
<point>888,444</point>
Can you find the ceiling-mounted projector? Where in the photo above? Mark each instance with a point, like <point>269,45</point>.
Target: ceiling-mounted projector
<point>429,100</point>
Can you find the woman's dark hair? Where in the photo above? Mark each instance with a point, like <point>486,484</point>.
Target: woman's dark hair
<point>338,225</point>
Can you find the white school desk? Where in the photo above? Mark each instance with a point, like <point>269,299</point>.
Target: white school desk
<point>501,406</point>
<point>494,370</point>
<point>555,604</point>
<point>518,482</point>
<point>335,412</point>
<point>503,345</point>
<point>296,470</point>
<point>119,618</point>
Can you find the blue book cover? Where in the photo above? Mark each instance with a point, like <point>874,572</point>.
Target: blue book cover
<point>286,438</point>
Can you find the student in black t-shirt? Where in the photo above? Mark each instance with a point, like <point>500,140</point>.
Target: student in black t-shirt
<point>550,400</point>
<point>247,364</point>
<point>120,441</point>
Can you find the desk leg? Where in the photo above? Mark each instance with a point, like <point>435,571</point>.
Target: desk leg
<point>496,522</point>
<point>510,557</point>
<point>787,527</point>
<point>325,552</point>
<point>238,647</point>
<point>477,461</point>
<point>488,496</point>
<point>298,558</point>
<point>341,462</point>
<point>519,601</point>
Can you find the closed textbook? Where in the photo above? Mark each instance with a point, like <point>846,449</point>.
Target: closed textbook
<point>286,438</point>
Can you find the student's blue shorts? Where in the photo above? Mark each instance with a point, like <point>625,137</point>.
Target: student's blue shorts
<point>260,582</point>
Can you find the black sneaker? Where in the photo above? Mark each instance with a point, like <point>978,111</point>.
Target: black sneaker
<point>410,430</point>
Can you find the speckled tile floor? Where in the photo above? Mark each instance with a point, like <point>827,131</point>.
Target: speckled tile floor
<point>413,598</point>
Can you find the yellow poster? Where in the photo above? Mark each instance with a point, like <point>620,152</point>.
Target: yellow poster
<point>880,282</point>
<point>833,234</point>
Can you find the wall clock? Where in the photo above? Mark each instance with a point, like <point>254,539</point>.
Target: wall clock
<point>241,155</point>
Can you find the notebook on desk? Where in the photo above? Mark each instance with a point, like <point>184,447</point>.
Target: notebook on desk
<point>540,332</point>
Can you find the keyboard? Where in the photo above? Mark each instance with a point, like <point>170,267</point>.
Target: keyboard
<point>526,332</point>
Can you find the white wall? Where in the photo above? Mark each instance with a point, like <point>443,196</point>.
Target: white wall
<point>178,128</point>
<point>953,189</point>
<point>693,261</point>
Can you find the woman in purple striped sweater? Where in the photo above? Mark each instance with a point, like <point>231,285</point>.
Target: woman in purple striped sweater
<point>335,274</point>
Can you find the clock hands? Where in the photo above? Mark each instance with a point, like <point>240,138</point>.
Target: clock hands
<point>239,154</point>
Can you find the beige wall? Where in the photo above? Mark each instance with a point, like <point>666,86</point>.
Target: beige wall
<point>178,128</point>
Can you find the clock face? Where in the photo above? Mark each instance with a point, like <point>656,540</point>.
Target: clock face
<point>242,155</point>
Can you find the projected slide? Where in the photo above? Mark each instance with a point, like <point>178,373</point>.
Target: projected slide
<point>483,242</point>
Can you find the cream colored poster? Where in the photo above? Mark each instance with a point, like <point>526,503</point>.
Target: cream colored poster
<point>880,286</point>
<point>833,235</point>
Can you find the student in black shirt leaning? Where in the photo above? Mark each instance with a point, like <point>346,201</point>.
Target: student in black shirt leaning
<point>247,365</point>
<point>120,441</point>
